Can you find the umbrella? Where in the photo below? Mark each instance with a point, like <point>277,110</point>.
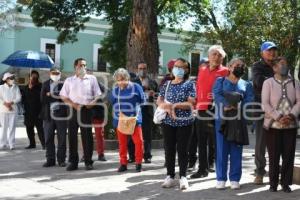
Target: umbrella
<point>29,59</point>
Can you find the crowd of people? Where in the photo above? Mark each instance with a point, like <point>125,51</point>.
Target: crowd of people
<point>202,119</point>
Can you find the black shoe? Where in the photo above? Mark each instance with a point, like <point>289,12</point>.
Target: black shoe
<point>138,167</point>
<point>102,158</point>
<point>147,160</point>
<point>72,167</point>
<point>273,188</point>
<point>286,189</point>
<point>122,168</point>
<point>211,170</point>
<point>131,160</point>
<point>62,164</point>
<point>89,167</point>
<point>31,146</point>
<point>49,164</point>
<point>200,174</point>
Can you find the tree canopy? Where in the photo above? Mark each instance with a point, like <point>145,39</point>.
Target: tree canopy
<point>69,17</point>
<point>239,25</point>
<point>242,25</point>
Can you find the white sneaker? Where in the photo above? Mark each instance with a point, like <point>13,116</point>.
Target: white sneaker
<point>220,185</point>
<point>168,182</point>
<point>235,185</point>
<point>183,183</point>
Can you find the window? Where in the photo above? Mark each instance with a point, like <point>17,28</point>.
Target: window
<point>50,50</point>
<point>99,64</point>
<point>194,60</point>
<point>50,47</point>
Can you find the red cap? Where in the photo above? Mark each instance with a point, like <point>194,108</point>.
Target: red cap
<point>171,63</point>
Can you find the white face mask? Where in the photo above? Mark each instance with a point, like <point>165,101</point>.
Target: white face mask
<point>10,82</point>
<point>81,72</point>
<point>55,78</point>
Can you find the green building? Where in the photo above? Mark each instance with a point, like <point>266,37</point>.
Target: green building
<point>30,37</point>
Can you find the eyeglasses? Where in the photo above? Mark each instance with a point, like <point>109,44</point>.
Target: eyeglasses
<point>11,78</point>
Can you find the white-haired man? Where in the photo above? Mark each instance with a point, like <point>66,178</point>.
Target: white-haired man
<point>205,81</point>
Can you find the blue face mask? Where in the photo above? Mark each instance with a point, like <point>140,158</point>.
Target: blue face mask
<point>178,72</point>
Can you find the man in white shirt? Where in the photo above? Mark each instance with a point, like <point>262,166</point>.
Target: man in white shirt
<point>9,96</point>
<point>80,92</point>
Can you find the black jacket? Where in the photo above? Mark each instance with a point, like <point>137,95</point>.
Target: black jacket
<point>32,103</point>
<point>48,100</point>
<point>260,72</point>
<point>152,86</point>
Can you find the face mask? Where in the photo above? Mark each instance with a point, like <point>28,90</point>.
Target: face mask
<point>178,72</point>
<point>55,78</point>
<point>284,70</point>
<point>238,72</point>
<point>81,72</point>
<point>10,82</point>
<point>141,73</point>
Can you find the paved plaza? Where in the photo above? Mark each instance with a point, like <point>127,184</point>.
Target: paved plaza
<point>23,177</point>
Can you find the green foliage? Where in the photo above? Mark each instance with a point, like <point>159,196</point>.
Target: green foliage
<point>68,18</point>
<point>114,44</point>
<point>242,25</point>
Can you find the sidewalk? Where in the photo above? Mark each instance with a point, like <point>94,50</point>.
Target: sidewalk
<point>23,177</point>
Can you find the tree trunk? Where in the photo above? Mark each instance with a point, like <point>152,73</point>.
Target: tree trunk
<point>142,40</point>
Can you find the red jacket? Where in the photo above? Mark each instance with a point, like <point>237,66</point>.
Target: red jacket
<point>205,82</point>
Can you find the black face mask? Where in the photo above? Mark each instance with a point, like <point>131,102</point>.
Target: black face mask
<point>284,71</point>
<point>238,72</point>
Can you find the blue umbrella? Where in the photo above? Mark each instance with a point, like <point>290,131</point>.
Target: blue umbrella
<point>29,59</point>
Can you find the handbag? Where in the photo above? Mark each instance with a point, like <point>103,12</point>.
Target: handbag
<point>160,114</point>
<point>126,124</point>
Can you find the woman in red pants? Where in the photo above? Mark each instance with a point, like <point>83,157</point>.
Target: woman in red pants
<point>127,97</point>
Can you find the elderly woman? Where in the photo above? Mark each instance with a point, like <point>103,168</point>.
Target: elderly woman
<point>231,93</point>
<point>127,97</point>
<point>177,98</point>
<point>9,97</point>
<point>281,103</point>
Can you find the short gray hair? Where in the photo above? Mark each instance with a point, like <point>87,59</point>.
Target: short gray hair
<point>218,48</point>
<point>121,72</point>
<point>234,60</point>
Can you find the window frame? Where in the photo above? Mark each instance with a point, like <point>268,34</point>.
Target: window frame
<point>45,41</point>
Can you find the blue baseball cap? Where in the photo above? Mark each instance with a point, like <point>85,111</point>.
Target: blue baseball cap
<point>203,60</point>
<point>267,45</point>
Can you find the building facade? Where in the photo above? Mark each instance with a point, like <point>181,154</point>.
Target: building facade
<point>30,37</point>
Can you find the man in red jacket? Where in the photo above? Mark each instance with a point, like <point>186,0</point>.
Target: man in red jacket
<point>205,118</point>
